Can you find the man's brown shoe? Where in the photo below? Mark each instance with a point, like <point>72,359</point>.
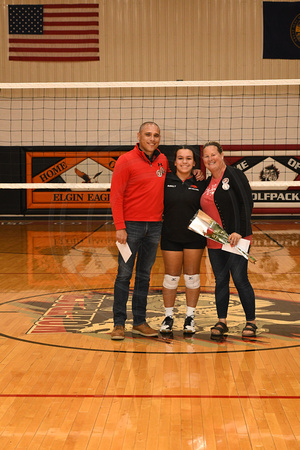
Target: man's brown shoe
<point>118,333</point>
<point>144,330</point>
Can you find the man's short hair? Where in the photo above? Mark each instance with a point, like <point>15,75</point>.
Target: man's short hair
<point>148,123</point>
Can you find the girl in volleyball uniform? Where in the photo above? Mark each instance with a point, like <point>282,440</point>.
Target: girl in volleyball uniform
<point>181,202</point>
<point>181,248</point>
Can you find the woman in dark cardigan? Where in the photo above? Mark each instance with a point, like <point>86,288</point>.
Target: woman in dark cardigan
<point>228,200</point>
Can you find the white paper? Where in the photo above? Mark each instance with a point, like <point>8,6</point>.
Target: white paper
<point>242,244</point>
<point>124,250</point>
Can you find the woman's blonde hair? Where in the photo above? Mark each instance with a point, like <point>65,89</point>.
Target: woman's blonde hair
<point>215,144</point>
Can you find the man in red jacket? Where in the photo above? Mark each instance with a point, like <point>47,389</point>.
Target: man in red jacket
<point>136,197</point>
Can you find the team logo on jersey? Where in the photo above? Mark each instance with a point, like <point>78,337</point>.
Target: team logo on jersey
<point>160,171</point>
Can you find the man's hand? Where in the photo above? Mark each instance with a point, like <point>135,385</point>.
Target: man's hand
<point>198,174</point>
<point>121,236</point>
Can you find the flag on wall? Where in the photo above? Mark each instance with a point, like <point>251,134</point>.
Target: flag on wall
<point>281,30</point>
<point>54,32</point>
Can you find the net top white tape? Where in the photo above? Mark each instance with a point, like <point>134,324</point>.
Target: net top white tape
<point>149,84</point>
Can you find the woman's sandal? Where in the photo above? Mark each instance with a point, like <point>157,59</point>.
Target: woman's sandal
<point>249,327</point>
<point>221,327</point>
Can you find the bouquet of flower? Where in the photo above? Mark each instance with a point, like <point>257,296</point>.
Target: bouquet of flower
<point>202,224</point>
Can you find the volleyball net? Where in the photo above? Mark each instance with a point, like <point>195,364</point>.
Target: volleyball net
<point>59,141</point>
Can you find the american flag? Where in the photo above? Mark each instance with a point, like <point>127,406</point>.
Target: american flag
<point>60,32</point>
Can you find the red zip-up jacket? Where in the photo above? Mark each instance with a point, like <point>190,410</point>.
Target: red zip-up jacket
<point>137,188</point>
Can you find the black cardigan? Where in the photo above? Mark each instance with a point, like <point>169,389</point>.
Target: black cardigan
<point>234,203</point>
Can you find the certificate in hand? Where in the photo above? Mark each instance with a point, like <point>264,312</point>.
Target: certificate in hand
<point>124,250</point>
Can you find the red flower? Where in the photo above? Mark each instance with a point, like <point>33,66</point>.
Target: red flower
<point>210,231</point>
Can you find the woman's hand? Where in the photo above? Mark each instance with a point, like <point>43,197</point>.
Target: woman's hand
<point>121,236</point>
<point>198,174</point>
<point>234,238</point>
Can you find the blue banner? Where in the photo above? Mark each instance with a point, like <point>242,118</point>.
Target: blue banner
<point>281,30</point>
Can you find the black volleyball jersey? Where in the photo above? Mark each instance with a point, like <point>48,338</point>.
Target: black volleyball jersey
<point>181,202</point>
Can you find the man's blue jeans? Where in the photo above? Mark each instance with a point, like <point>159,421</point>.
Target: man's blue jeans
<point>223,264</point>
<point>143,239</point>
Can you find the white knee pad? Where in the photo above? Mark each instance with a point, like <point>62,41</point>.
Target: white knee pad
<point>192,281</point>
<point>170,281</point>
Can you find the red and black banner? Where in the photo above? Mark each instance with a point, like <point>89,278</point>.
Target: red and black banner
<point>264,164</point>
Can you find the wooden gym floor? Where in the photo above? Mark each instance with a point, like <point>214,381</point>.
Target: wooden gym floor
<point>65,385</point>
